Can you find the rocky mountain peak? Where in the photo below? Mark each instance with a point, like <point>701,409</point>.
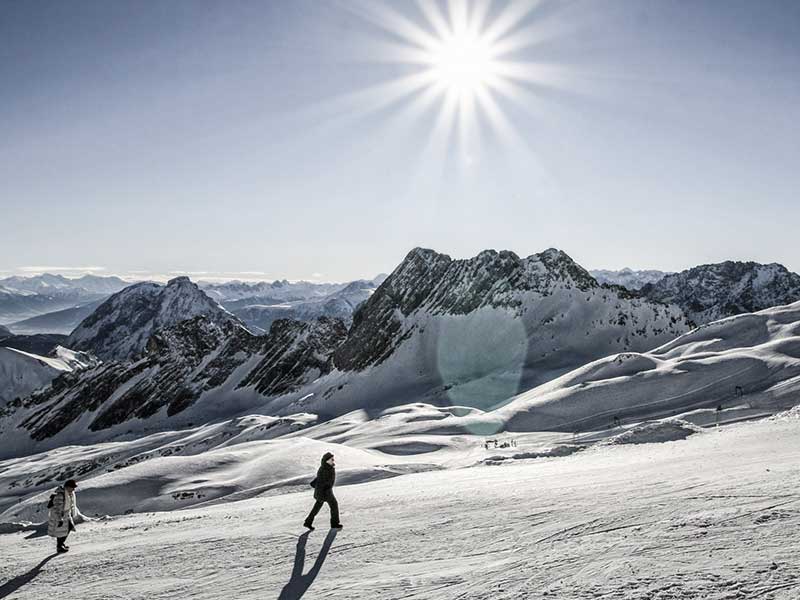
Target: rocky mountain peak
<point>714,291</point>
<point>121,326</point>
<point>429,283</point>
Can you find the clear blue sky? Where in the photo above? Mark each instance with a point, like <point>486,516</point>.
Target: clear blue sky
<point>230,137</point>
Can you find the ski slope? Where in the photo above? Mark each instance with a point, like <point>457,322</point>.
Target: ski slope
<point>713,516</point>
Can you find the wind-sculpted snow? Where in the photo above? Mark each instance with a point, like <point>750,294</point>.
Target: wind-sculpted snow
<point>714,516</point>
<point>238,459</point>
<point>742,364</point>
<point>711,292</point>
<point>120,327</point>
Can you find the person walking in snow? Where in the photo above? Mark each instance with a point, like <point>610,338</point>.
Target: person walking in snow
<point>323,492</point>
<point>63,510</point>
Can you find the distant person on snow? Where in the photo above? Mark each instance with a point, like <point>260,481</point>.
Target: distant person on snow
<point>323,492</point>
<point>63,510</point>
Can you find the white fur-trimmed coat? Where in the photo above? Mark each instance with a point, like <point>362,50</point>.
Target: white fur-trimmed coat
<point>62,513</point>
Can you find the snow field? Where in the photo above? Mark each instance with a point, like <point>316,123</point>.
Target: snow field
<point>714,516</point>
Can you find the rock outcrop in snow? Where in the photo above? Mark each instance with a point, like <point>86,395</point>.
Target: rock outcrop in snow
<point>120,327</point>
<point>711,292</point>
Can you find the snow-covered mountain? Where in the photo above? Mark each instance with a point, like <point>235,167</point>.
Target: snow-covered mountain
<point>121,326</point>
<point>199,357</point>
<point>22,372</point>
<point>628,278</point>
<point>478,331</point>
<point>710,292</point>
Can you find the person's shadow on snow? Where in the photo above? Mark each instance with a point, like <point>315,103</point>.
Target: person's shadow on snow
<point>12,585</point>
<point>299,583</point>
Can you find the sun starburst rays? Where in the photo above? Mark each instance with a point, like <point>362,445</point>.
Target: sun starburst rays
<point>461,55</point>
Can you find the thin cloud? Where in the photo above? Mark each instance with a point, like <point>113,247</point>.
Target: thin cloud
<point>51,269</point>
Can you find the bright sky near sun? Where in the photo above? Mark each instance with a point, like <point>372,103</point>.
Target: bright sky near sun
<point>325,139</point>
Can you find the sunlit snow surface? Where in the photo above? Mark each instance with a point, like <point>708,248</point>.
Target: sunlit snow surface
<point>713,516</point>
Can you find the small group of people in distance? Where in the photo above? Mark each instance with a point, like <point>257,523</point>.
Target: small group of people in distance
<point>63,504</point>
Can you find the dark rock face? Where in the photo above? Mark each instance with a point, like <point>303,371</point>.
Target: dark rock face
<point>120,328</point>
<point>41,343</point>
<point>295,353</point>
<point>179,364</point>
<point>711,292</point>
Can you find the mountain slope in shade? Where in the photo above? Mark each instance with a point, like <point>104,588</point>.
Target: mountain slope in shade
<point>743,365</point>
<point>41,343</point>
<point>22,372</point>
<point>61,322</point>
<point>15,306</point>
<point>188,373</point>
<point>4,332</point>
<point>628,278</point>
<point>120,327</point>
<point>710,292</point>
<point>476,332</point>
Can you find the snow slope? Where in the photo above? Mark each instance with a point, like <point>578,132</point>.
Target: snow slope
<point>23,372</point>
<point>714,516</point>
<point>741,363</point>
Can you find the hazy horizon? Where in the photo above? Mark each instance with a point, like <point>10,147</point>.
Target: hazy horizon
<point>308,140</point>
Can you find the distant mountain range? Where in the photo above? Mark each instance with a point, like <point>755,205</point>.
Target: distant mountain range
<point>23,298</point>
<point>628,278</point>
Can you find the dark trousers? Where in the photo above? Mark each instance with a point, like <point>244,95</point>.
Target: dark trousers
<point>60,541</point>
<point>332,504</point>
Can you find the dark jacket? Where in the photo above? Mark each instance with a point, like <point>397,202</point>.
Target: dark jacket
<point>326,476</point>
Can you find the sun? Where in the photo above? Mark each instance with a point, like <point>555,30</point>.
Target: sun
<point>462,63</point>
<point>465,60</point>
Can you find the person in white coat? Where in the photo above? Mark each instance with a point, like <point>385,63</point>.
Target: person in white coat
<point>63,509</point>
